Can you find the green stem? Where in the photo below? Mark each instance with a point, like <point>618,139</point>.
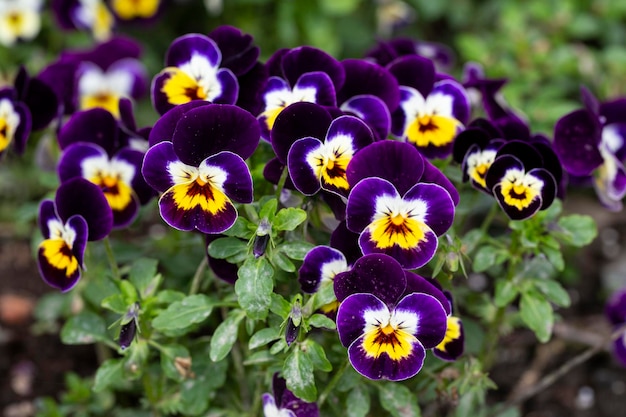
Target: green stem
<point>197,277</point>
<point>332,383</point>
<point>491,214</point>
<point>281,184</point>
<point>111,258</point>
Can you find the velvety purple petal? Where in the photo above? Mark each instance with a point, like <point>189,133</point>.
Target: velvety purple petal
<point>238,183</point>
<point>409,258</point>
<point>363,77</point>
<point>619,349</point>
<point>432,318</point>
<point>106,53</point>
<point>347,242</point>
<point>72,159</point>
<point>163,129</point>
<point>432,174</point>
<point>319,260</point>
<point>322,84</point>
<point>576,139</point>
<point>417,283</point>
<point>183,48</point>
<point>613,111</point>
<point>230,87</point>
<point>41,100</point>
<point>297,121</point>
<point>590,102</point>
<point>160,101</point>
<point>60,76</point>
<point>23,128</point>
<point>460,99</point>
<point>97,126</point>
<point>361,206</point>
<point>384,367</point>
<point>135,158</point>
<point>414,71</point>
<point>615,308</point>
<point>548,191</point>
<point>440,207</point>
<point>155,166</point>
<point>47,212</point>
<point>303,59</point>
<point>398,162</point>
<point>373,111</point>
<point>352,127</point>
<point>299,408</point>
<point>122,218</point>
<point>207,130</point>
<point>376,274</point>
<point>251,84</point>
<point>301,172</point>
<point>239,53</point>
<point>350,316</point>
<point>80,196</point>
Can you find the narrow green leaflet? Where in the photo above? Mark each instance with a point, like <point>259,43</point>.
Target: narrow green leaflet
<point>554,291</point>
<point>181,314</point>
<point>281,261</point>
<point>317,355</point>
<point>296,250</point>
<point>289,218</point>
<point>398,400</point>
<point>263,337</point>
<point>358,402</point>
<point>537,313</point>
<point>225,335</point>
<point>298,372</point>
<point>141,275</point>
<point>577,230</point>
<point>321,322</point>
<point>226,247</point>
<point>254,287</point>
<point>109,374</point>
<point>84,328</point>
<point>505,293</point>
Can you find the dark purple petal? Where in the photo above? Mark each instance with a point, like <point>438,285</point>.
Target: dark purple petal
<point>499,167</point>
<point>373,111</point>
<point>439,205</point>
<point>251,85</point>
<point>323,85</point>
<point>47,212</point>
<point>613,111</point>
<point>590,102</point>
<point>303,59</point>
<point>60,76</point>
<point>23,128</point>
<point>361,206</point>
<point>417,283</point>
<point>72,159</point>
<point>207,130</point>
<point>615,308</point>
<point>347,242</point>
<point>40,98</point>
<point>433,175</point>
<point>460,99</point>
<point>576,139</point>
<point>230,87</point>
<point>140,187</point>
<point>432,318</point>
<point>106,53</point>
<point>321,262</point>
<point>97,126</point>
<point>363,77</point>
<point>350,316</point>
<point>183,48</point>
<point>548,190</point>
<point>155,166</point>
<point>376,274</point>
<point>79,196</point>
<point>414,71</point>
<point>300,170</point>
<point>238,183</point>
<point>239,53</point>
<point>163,129</point>
<point>619,349</point>
<point>409,258</point>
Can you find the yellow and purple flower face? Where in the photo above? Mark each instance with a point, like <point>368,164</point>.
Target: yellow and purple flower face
<point>314,164</point>
<point>78,214</point>
<point>9,122</point>
<point>20,19</point>
<point>386,325</point>
<point>431,123</point>
<point>193,73</point>
<point>91,15</point>
<point>202,171</point>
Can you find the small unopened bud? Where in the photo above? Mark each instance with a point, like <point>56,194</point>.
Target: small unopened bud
<point>452,261</point>
<point>129,326</point>
<point>262,238</point>
<point>293,323</point>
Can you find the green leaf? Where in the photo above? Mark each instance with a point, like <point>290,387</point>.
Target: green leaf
<point>84,328</point>
<point>225,247</point>
<point>289,218</point>
<point>324,295</point>
<point>281,261</point>
<point>254,287</point>
<point>263,337</point>
<point>268,211</point>
<point>243,229</point>
<point>321,322</point>
<point>225,335</point>
<point>208,376</point>
<point>181,314</point>
<point>398,400</point>
<point>554,256</point>
<point>110,374</point>
<point>505,293</point>
<point>142,273</point>
<point>296,250</point>
<point>115,303</point>
<point>358,402</point>
<point>298,372</point>
<point>486,257</point>
<point>554,291</point>
<point>537,313</point>
<point>577,230</point>
<point>317,355</point>
<point>171,358</point>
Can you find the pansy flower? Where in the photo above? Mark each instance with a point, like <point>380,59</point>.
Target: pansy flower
<point>314,164</point>
<point>91,15</point>
<point>306,74</point>
<point>40,99</point>
<point>78,214</point>
<point>19,20</point>
<point>387,51</point>
<point>453,343</point>
<point>201,169</point>
<point>519,181</point>
<point>431,112</point>
<point>283,403</point>
<point>591,142</point>
<point>91,150</point>
<point>193,72</point>
<point>15,122</point>
<point>615,310</point>
<point>385,328</point>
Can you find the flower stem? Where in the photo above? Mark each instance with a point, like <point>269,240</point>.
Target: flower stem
<point>281,183</point>
<point>197,277</point>
<point>111,258</point>
<point>332,383</point>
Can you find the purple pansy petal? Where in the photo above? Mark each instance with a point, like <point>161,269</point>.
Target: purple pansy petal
<point>97,126</point>
<point>47,212</point>
<point>410,258</point>
<point>297,121</point>
<point>361,206</point>
<point>384,367</point>
<point>376,274</point>
<point>41,100</point>
<point>60,77</point>
<point>590,102</point>
<point>398,162</point>
<point>458,95</point>
<point>79,196</point>
<point>414,71</point>
<point>322,84</point>
<point>576,139</point>
<point>135,158</point>
<point>321,263</point>
<point>238,182</point>
<point>183,48</point>
<point>453,344</point>
<point>301,171</point>
<point>548,191</point>
<point>72,159</point>
<point>613,111</point>
<point>160,101</point>
<point>163,129</point>
<point>136,70</point>
<point>155,166</point>
<point>499,167</point>
<point>440,207</point>
<point>22,132</point>
<point>350,316</point>
<point>363,77</point>
<point>230,87</point>
<point>250,86</point>
<point>352,127</point>
<point>347,242</point>
<point>239,53</point>
<point>619,349</point>
<point>206,130</point>
<point>432,318</point>
<point>615,308</point>
<point>273,170</point>
<point>433,175</point>
<point>303,59</point>
<point>417,283</point>
<point>373,111</point>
